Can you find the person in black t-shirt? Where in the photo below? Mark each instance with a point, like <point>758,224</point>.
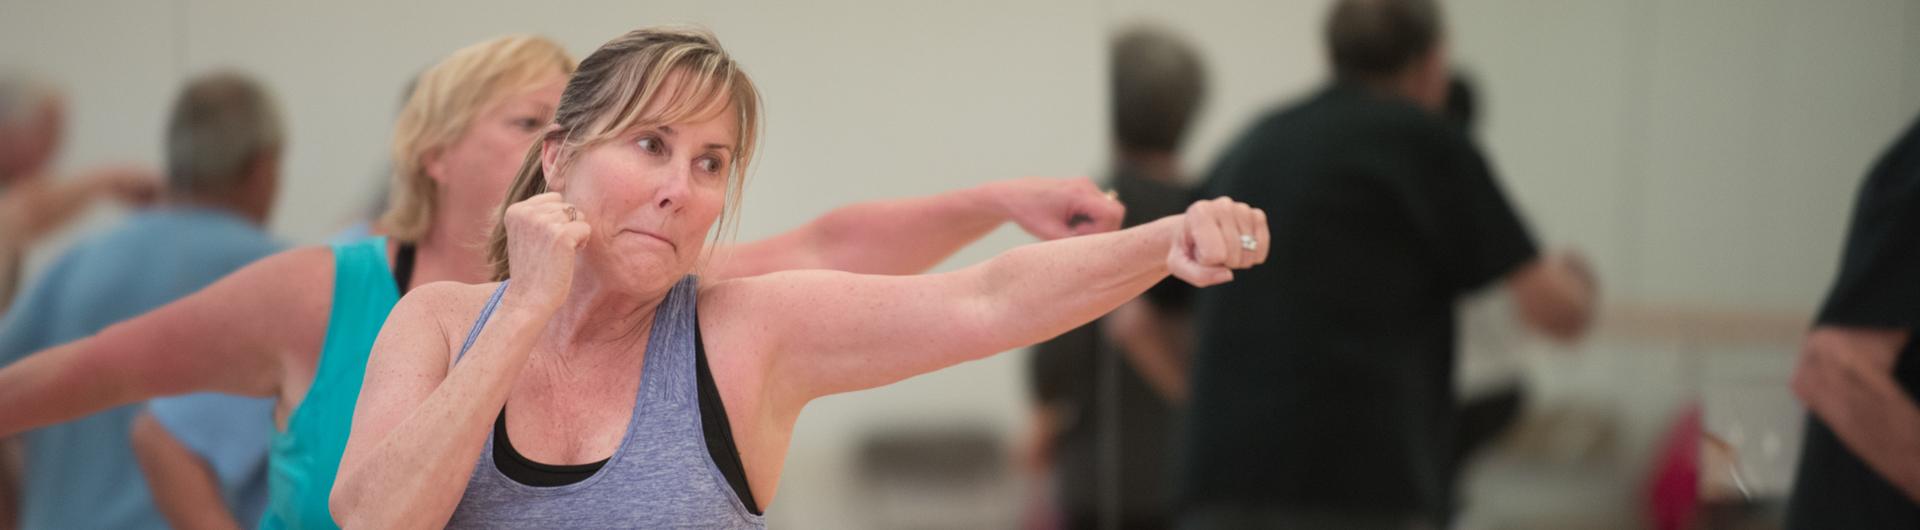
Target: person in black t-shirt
<point>1489,413</point>
<point>1322,389</point>
<point>1107,394</point>
<point>1859,369</point>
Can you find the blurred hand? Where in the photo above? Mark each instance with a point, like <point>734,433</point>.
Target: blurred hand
<point>133,185</point>
<point>1210,245</point>
<point>35,207</point>
<point>1053,208</point>
<point>544,234</point>
<point>1576,266</point>
<point>1556,295</point>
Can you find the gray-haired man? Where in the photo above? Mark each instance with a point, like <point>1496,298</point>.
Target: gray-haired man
<point>223,148</point>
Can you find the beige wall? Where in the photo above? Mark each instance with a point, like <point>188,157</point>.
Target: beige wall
<point>1703,152</point>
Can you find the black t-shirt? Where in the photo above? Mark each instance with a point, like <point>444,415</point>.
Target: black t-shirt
<point>1066,374</point>
<point>1323,378</point>
<point>1878,287</point>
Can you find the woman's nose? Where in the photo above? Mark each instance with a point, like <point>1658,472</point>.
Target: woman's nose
<point>672,193</point>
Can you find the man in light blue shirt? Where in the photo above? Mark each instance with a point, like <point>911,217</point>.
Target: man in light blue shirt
<point>223,148</point>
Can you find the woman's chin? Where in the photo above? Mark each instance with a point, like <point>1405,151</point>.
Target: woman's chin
<point>646,271</point>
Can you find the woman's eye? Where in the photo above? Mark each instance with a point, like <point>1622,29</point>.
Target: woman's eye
<point>527,124</point>
<point>649,144</point>
<point>709,164</point>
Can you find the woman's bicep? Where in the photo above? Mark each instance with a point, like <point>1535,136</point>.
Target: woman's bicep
<point>231,336</point>
<point>825,332</point>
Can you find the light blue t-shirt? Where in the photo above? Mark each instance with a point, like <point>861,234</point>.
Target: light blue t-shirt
<point>231,435</point>
<point>83,474</point>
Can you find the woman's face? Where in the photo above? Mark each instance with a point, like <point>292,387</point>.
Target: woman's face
<point>475,171</point>
<point>651,195</point>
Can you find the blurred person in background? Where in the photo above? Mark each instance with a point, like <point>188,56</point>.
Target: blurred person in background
<point>1106,403</point>
<point>34,202</point>
<point>1490,369</point>
<point>1322,392</point>
<point>1859,368</point>
<point>223,146</point>
<point>205,462</point>
<point>297,326</point>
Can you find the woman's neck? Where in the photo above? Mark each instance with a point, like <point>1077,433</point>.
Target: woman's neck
<point>598,319</point>
<point>447,256</point>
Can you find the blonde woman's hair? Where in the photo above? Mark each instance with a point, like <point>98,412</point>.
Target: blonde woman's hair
<point>614,92</point>
<point>445,100</point>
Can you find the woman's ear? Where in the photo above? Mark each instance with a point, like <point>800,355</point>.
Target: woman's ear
<point>550,162</point>
<point>433,165</point>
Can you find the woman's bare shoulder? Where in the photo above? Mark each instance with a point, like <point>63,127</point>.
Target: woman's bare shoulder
<point>450,302</point>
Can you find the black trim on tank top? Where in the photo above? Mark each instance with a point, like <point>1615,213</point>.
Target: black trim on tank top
<point>717,428</point>
<point>403,266</point>
<point>714,425</point>
<point>526,471</point>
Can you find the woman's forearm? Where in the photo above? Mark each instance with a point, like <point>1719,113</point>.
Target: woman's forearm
<point>838,332</point>
<point>59,385</point>
<point>897,236</point>
<point>909,236</point>
<point>1079,279</point>
<point>415,473</point>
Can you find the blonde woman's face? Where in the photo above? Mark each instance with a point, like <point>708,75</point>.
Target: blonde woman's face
<point>476,170</point>
<point>651,196</point>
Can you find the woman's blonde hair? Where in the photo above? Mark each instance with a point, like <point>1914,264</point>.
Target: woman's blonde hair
<point>614,92</point>
<point>444,102</point>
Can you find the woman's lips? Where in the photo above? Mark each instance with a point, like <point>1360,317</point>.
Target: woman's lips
<point>650,236</point>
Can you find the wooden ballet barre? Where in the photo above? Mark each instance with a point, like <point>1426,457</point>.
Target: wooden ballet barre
<point>1704,324</point>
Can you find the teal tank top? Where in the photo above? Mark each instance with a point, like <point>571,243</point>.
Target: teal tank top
<point>306,456</point>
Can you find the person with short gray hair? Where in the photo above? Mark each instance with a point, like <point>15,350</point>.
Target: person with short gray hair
<point>221,125</point>
<point>224,142</point>
<point>1107,394</point>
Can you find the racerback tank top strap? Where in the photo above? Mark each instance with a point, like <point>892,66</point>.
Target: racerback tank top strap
<point>660,476</point>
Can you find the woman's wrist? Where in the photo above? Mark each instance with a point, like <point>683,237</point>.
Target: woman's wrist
<point>993,199</point>
<point>1167,229</point>
<point>522,304</point>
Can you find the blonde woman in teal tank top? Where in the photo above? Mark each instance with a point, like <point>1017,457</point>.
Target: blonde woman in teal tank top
<point>305,455</point>
<point>296,325</point>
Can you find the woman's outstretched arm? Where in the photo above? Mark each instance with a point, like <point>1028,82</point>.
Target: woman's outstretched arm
<point>909,236</point>
<point>230,337</point>
<point>830,332</point>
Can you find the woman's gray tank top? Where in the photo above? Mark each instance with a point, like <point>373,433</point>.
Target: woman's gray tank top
<point>660,477</point>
